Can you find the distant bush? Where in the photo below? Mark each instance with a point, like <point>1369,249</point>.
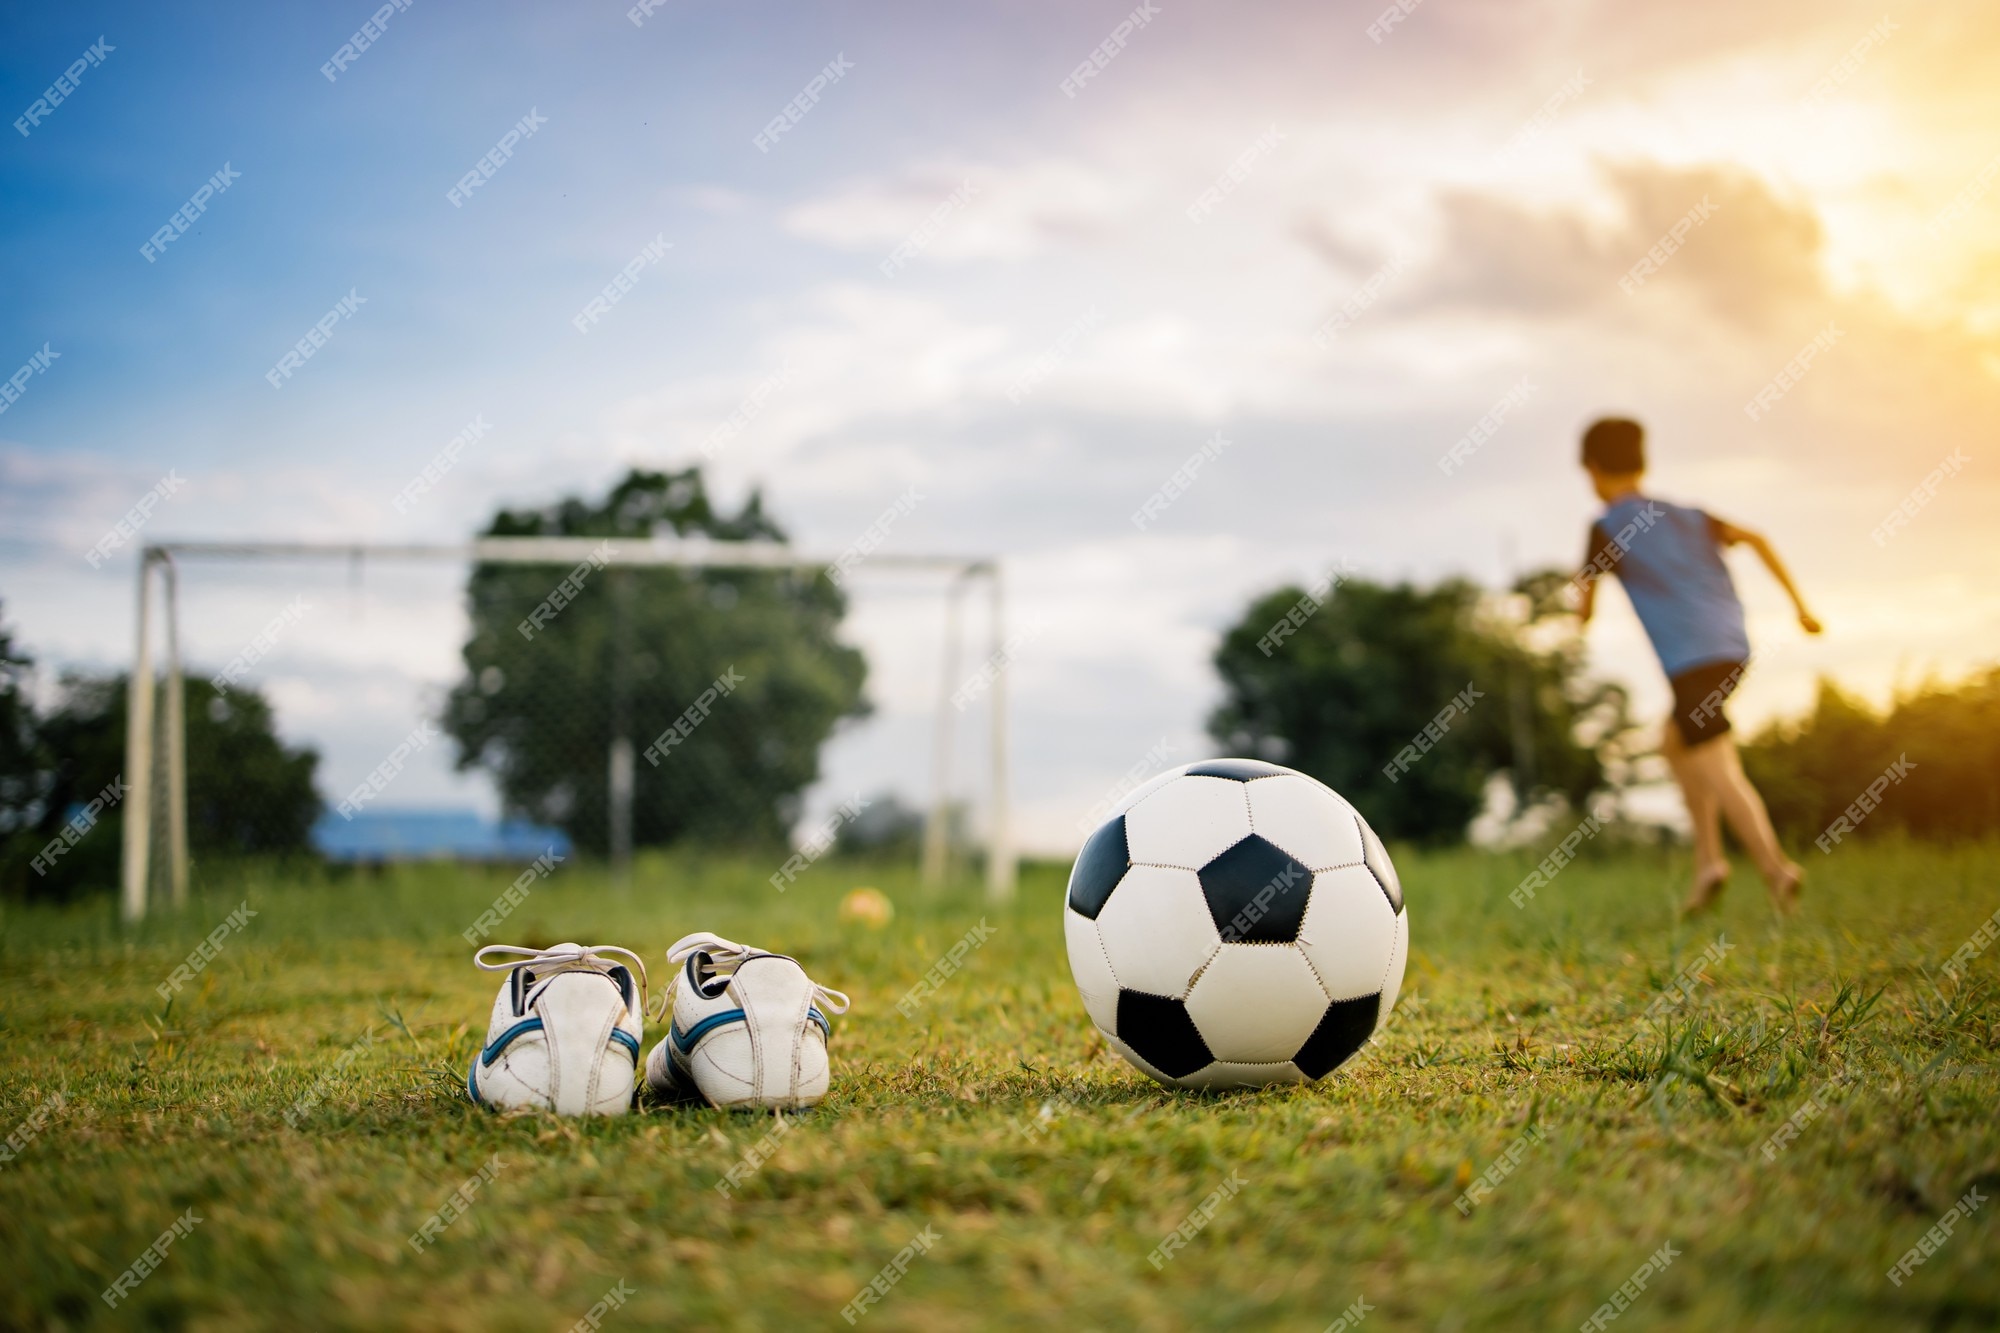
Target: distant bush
<point>1810,770</point>
<point>248,792</point>
<point>1340,681</point>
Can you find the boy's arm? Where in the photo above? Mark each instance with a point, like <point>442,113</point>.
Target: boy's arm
<point>1595,565</point>
<point>1728,534</point>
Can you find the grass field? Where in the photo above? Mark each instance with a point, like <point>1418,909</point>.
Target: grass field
<point>1046,1169</point>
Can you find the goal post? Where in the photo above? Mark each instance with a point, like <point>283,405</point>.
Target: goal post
<point>156,781</point>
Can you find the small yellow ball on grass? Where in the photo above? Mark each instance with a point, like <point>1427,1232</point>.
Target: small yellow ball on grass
<point>867,907</point>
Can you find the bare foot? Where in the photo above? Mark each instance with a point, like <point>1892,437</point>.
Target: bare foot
<point>1708,885</point>
<point>1787,886</point>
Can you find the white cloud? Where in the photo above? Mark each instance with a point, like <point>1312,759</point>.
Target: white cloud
<point>1013,211</point>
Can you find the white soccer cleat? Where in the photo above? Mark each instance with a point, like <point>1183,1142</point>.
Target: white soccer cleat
<point>748,1028</point>
<point>565,1033</point>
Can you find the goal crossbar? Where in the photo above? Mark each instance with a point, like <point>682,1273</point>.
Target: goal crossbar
<point>681,552</point>
<point>159,562</point>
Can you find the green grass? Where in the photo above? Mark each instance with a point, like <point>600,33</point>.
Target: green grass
<point>1048,1169</point>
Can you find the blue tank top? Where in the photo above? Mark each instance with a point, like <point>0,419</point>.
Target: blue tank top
<point>1667,557</point>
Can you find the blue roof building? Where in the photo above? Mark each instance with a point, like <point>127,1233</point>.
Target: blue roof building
<point>391,834</point>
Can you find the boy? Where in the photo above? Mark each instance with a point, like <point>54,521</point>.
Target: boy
<point>1669,558</point>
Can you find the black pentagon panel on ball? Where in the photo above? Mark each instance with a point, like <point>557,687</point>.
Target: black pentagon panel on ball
<point>1163,1034</point>
<point>1099,866</point>
<point>1241,770</point>
<point>1376,857</point>
<point>1256,893</point>
<point>1346,1025</point>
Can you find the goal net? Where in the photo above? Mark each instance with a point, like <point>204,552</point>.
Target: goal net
<point>490,699</point>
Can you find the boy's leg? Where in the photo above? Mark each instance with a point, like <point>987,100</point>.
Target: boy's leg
<point>1716,765</point>
<point>1704,809</point>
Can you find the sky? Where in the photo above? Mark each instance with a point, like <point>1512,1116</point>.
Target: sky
<point>1307,244</point>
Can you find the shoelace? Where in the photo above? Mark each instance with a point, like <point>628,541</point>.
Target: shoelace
<point>728,955</point>
<point>585,955</point>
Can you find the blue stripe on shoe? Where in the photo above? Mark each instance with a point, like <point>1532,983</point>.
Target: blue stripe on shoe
<point>472,1083</point>
<point>505,1039</point>
<point>527,1025</point>
<point>685,1041</point>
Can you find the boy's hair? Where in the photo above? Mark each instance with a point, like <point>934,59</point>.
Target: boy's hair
<point>1615,445</point>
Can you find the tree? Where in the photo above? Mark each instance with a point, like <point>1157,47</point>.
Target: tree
<point>248,792</point>
<point>1341,685</point>
<point>631,652</point>
<point>23,760</point>
<point>1814,769</point>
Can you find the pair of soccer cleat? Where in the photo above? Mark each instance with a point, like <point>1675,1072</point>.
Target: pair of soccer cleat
<point>747,1029</point>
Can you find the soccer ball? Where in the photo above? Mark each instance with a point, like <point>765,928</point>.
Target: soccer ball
<point>1236,924</point>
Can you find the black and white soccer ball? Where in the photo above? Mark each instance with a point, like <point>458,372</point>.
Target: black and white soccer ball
<point>1235,924</point>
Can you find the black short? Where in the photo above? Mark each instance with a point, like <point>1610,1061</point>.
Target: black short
<point>1699,694</point>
